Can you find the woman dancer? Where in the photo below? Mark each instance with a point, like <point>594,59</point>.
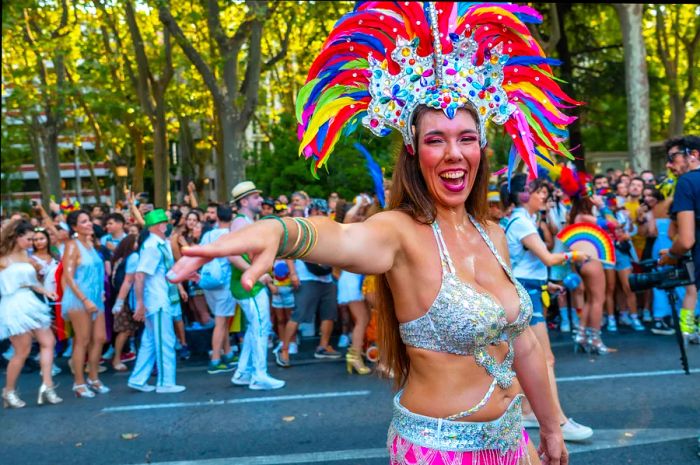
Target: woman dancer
<point>83,294</point>
<point>433,248</point>
<point>531,258</point>
<point>124,262</point>
<point>22,314</point>
<point>587,334</point>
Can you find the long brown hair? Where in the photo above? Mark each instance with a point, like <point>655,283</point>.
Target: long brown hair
<point>409,194</point>
<point>9,234</point>
<point>580,205</point>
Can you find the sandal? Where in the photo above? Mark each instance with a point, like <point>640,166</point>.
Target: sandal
<point>119,367</point>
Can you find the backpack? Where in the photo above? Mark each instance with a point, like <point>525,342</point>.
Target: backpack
<point>212,275</point>
<point>318,270</point>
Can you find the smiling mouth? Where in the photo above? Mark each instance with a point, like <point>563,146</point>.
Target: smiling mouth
<point>453,180</point>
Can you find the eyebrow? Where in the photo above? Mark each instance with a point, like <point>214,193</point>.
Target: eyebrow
<point>438,132</point>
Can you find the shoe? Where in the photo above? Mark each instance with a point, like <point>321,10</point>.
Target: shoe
<point>594,344</point>
<point>579,337</point>
<point>127,357</point>
<point>636,324</point>
<point>659,327</point>
<point>97,386</point>
<point>219,366</point>
<point>82,391</point>
<point>174,389</point>
<point>119,367</point>
<point>625,319</point>
<point>573,431</point>
<point>293,348</point>
<point>646,316</point>
<point>68,353</point>
<point>282,361</point>
<point>266,383</point>
<point>230,360</point>
<point>565,326</point>
<point>530,421</point>
<point>107,356</point>
<point>194,327</point>
<point>687,323</point>
<point>142,387</point>
<point>611,327</point>
<point>353,361</point>
<point>278,347</point>
<point>270,343</point>
<point>343,341</point>
<point>8,354</point>
<point>10,399</point>
<point>240,379</point>
<point>184,353</point>
<point>327,352</point>
<point>48,394</point>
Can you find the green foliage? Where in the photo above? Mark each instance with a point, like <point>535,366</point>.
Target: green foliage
<point>280,170</point>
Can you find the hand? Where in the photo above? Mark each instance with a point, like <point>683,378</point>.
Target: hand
<point>552,450</point>
<point>295,280</point>
<point>554,288</point>
<point>118,306</point>
<point>90,306</point>
<point>265,279</point>
<point>274,289</point>
<point>51,295</point>
<point>579,257</point>
<point>191,187</point>
<point>665,258</point>
<point>183,294</point>
<point>140,313</point>
<point>260,241</point>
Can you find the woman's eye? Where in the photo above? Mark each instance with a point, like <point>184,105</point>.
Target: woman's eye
<point>433,141</point>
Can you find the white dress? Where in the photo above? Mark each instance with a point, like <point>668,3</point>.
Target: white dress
<point>21,310</point>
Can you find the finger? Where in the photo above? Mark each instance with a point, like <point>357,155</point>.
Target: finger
<point>185,268</point>
<point>260,265</point>
<point>231,244</point>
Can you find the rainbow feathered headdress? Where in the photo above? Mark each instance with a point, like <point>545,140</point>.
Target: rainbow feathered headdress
<point>384,59</point>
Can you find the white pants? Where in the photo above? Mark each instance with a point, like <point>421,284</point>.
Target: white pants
<point>157,346</point>
<point>253,359</point>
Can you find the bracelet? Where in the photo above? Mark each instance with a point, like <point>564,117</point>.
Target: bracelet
<point>302,235</point>
<point>307,235</point>
<point>313,236</point>
<point>286,232</point>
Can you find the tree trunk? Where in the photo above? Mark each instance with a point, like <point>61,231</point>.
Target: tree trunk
<point>233,145</point>
<point>161,159</point>
<point>139,159</point>
<point>93,177</point>
<point>37,146</point>
<point>52,166</point>
<point>676,125</point>
<point>636,85</point>
<point>562,47</point>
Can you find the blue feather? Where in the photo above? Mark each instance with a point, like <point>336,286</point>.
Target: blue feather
<point>512,157</point>
<point>321,136</point>
<point>527,60</point>
<point>375,172</point>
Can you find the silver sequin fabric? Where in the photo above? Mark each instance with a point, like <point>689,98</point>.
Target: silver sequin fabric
<point>465,321</point>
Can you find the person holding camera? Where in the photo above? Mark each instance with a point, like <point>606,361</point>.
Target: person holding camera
<point>684,162</point>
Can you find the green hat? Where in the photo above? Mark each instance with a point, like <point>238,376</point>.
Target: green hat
<point>155,217</point>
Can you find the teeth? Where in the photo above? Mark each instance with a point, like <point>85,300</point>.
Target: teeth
<point>452,175</point>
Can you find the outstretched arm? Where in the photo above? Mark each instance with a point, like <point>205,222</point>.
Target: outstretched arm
<point>369,247</point>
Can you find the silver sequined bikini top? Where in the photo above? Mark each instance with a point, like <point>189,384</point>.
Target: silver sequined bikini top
<point>465,321</point>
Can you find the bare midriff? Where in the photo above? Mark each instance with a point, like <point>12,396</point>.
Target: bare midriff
<point>441,384</point>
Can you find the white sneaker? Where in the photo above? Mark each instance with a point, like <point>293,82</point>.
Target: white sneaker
<point>293,348</point>
<point>625,319</point>
<point>278,347</point>
<point>572,431</point>
<point>109,354</point>
<point>646,316</point>
<point>266,383</point>
<point>142,387</point>
<point>9,353</point>
<point>565,326</point>
<point>174,389</point>
<point>343,341</point>
<point>612,325</point>
<point>636,324</point>
<point>240,379</point>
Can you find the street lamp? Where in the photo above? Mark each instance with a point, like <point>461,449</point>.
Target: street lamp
<point>122,172</point>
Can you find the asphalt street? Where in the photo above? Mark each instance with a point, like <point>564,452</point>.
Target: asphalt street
<point>643,410</point>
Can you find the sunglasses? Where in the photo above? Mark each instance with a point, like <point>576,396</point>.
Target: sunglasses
<point>672,155</point>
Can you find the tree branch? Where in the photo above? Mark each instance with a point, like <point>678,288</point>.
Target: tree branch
<point>144,73</point>
<point>596,49</point>
<point>207,75</point>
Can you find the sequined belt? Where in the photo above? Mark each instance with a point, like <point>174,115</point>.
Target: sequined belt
<point>503,434</point>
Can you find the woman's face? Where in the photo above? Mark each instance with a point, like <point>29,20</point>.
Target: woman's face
<point>84,226</point>
<point>191,221</point>
<point>39,241</point>
<point>649,199</point>
<point>622,189</point>
<point>197,230</point>
<point>24,242</point>
<point>538,199</point>
<point>449,155</point>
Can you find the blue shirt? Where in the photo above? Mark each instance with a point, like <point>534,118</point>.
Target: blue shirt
<point>687,198</point>
<point>211,236</point>
<point>108,238</point>
<point>526,265</point>
<point>132,262</point>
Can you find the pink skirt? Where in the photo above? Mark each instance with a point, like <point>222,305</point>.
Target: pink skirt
<point>404,452</point>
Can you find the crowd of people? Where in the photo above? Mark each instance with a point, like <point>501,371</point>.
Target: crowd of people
<point>103,273</point>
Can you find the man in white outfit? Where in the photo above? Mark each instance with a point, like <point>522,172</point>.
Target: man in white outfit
<point>157,302</point>
<point>252,365</point>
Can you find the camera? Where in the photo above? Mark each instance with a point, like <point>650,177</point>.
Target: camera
<point>663,277</point>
